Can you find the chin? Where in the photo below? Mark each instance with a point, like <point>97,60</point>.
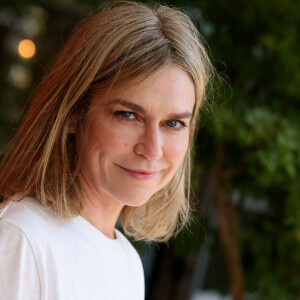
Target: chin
<point>135,201</point>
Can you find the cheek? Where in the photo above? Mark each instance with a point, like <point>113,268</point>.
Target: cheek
<point>175,150</point>
<point>116,138</point>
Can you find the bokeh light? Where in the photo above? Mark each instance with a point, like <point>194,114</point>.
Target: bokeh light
<point>26,48</point>
<point>19,76</point>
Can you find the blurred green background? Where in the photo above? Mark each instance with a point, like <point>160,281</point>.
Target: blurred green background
<point>244,241</point>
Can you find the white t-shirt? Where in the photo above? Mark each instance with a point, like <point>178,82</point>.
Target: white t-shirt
<point>42,258</point>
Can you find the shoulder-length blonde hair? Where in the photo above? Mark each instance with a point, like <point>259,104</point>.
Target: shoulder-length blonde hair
<point>127,42</point>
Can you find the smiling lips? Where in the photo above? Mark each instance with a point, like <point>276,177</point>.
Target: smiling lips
<point>140,174</point>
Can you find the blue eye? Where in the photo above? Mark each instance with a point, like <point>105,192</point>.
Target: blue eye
<point>175,124</point>
<point>125,115</point>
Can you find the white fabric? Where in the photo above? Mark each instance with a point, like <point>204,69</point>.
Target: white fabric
<point>42,258</point>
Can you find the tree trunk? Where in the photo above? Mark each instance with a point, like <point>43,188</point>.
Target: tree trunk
<point>228,226</point>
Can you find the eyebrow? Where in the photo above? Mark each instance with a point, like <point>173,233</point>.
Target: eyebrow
<point>129,105</point>
<point>140,109</point>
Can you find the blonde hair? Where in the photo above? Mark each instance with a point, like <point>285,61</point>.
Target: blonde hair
<point>127,42</point>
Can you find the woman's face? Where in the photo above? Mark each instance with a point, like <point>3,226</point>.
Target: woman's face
<point>135,138</point>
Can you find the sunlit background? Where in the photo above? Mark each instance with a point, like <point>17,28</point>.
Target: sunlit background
<point>244,241</point>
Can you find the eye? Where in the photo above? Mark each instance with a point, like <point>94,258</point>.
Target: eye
<point>125,115</point>
<point>176,125</point>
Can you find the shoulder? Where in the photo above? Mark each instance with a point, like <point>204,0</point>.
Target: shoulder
<point>129,251</point>
<point>126,243</point>
<point>133,263</point>
<point>28,216</point>
<point>19,274</point>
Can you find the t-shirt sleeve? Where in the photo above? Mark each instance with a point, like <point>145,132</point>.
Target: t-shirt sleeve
<point>19,279</point>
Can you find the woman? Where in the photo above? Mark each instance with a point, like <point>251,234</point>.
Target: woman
<point>108,134</point>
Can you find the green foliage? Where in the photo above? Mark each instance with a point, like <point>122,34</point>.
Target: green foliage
<point>258,128</point>
<point>275,277</point>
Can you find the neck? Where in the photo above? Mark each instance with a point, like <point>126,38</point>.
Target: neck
<point>102,213</point>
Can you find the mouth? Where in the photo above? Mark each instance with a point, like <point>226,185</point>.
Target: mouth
<point>140,175</point>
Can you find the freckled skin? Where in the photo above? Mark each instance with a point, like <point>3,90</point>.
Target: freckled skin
<point>134,140</point>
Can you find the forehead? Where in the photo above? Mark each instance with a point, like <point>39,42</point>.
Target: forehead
<point>168,88</point>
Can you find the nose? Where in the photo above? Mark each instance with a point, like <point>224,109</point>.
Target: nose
<point>149,144</point>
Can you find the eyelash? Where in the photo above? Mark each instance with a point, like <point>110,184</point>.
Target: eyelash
<point>122,112</point>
